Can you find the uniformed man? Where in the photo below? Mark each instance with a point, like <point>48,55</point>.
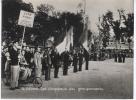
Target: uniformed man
<point>115,56</point>
<point>86,55</point>
<point>75,61</point>
<point>95,56</point>
<point>80,55</point>
<point>119,57</point>
<point>65,62</point>
<point>56,63</point>
<point>52,57</point>
<point>123,56</point>
<point>14,55</point>
<point>46,64</point>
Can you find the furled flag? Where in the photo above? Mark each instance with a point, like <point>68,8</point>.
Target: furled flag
<point>84,37</point>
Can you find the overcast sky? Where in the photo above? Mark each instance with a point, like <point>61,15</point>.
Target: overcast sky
<point>94,8</point>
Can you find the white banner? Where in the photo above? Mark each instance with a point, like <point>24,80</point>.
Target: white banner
<point>26,19</point>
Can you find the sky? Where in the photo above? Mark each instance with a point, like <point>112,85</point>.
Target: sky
<point>94,8</point>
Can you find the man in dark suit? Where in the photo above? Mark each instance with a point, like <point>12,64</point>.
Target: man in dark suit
<point>65,62</point>
<point>86,55</point>
<point>120,57</point>
<point>56,63</point>
<point>115,56</point>
<point>80,55</point>
<point>14,55</point>
<point>123,56</point>
<point>46,64</point>
<point>75,61</point>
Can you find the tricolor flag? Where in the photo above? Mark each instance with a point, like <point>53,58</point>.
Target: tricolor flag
<point>67,43</point>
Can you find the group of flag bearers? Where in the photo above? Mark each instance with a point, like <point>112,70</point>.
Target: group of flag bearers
<point>64,60</point>
<point>23,62</point>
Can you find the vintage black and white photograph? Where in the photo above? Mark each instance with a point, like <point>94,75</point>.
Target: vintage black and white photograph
<point>67,49</point>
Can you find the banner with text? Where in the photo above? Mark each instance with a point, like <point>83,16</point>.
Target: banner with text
<point>26,19</point>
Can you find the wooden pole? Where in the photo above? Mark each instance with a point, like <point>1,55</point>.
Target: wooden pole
<point>23,37</point>
<point>22,43</point>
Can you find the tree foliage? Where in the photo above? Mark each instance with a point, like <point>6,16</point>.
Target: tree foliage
<point>10,14</point>
<point>104,28</point>
<point>55,24</point>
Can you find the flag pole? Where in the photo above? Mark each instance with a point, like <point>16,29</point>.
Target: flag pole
<point>84,7</point>
<point>22,42</point>
<point>23,37</point>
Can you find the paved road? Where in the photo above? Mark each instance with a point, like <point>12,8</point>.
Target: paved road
<point>104,79</point>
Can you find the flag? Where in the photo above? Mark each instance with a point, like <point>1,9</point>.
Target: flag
<point>84,37</point>
<point>67,43</point>
<point>69,39</point>
<point>61,46</point>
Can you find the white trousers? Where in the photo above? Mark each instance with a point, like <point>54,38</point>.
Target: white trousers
<point>15,69</point>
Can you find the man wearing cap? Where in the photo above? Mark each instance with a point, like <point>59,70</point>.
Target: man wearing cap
<point>86,55</point>
<point>75,61</point>
<point>56,63</point>
<point>14,66</point>
<point>46,63</point>
<point>123,56</point>
<point>80,55</point>
<point>65,62</point>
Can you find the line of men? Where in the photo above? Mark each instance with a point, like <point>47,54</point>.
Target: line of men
<point>39,60</point>
<point>120,56</point>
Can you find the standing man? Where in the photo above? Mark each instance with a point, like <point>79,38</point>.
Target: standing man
<point>15,69</point>
<point>86,55</point>
<point>115,56</point>
<point>75,61</point>
<point>28,55</point>
<point>38,62</point>
<point>123,56</point>
<point>56,63</point>
<point>120,57</point>
<point>65,62</point>
<point>52,57</point>
<point>46,64</point>
<point>80,60</point>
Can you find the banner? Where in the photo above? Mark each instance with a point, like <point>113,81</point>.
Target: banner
<point>26,19</point>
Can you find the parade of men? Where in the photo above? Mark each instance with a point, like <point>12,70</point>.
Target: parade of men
<point>67,49</point>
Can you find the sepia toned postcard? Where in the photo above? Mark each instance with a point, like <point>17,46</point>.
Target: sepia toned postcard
<point>67,49</point>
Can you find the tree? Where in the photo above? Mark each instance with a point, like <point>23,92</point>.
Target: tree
<point>10,14</point>
<point>115,24</point>
<point>104,29</point>
<point>129,26</point>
